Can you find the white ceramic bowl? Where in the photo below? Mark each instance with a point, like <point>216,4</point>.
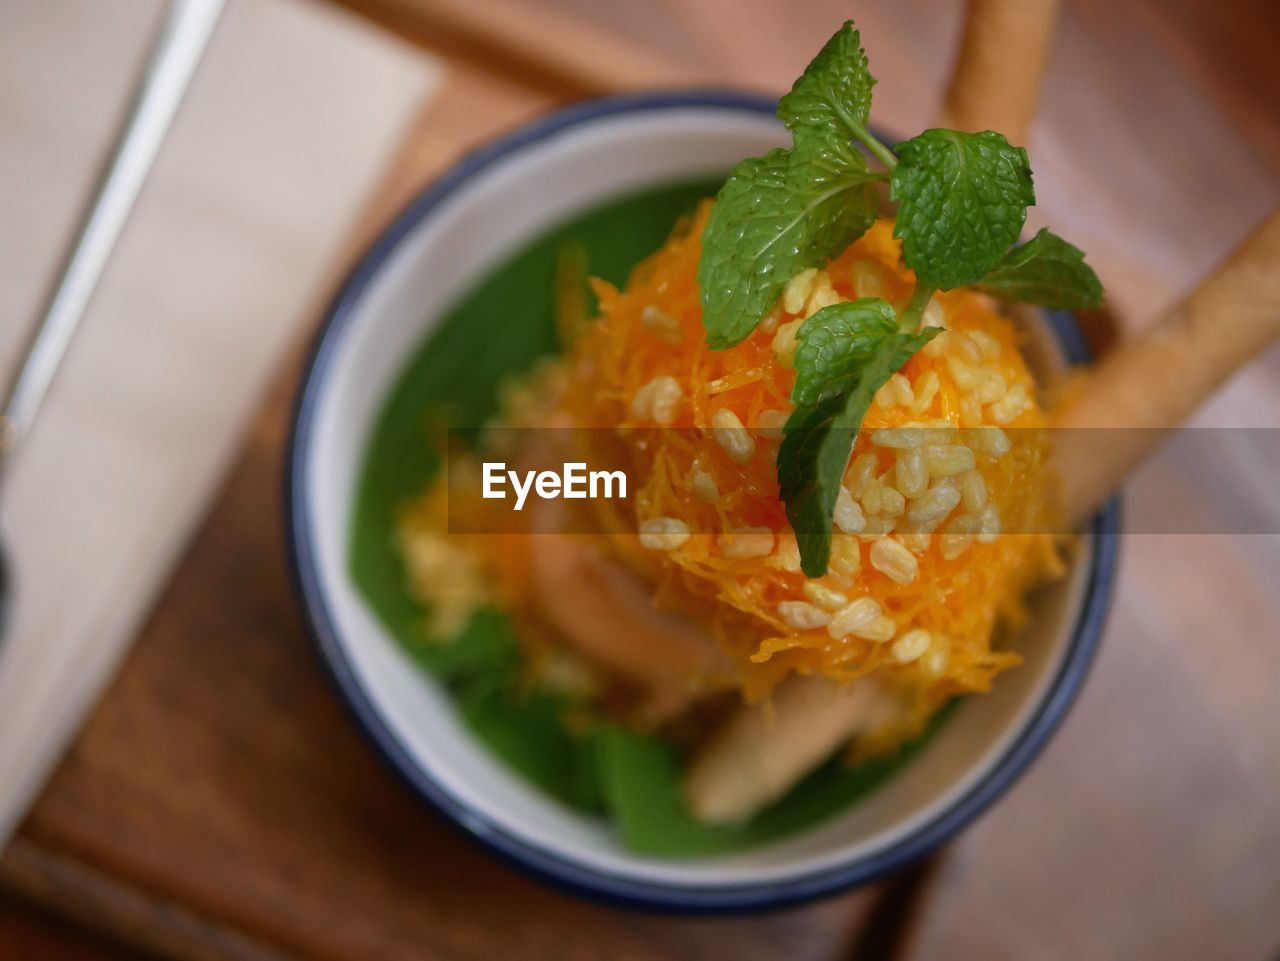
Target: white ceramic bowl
<point>529,181</point>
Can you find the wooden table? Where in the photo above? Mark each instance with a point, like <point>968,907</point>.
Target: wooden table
<point>220,804</point>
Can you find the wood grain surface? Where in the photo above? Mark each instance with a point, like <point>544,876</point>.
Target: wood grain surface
<point>220,803</point>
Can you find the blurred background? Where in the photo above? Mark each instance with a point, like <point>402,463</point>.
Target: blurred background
<point>176,778</point>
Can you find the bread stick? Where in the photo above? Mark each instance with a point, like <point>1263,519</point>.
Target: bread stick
<point>996,79</point>
<point>1162,376</point>
<point>763,750</point>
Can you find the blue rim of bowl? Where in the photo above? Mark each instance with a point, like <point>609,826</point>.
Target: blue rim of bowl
<point>546,865</point>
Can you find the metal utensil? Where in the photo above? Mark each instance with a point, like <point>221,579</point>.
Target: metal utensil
<point>173,59</point>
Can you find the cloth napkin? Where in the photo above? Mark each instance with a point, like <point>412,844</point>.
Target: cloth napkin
<point>285,130</point>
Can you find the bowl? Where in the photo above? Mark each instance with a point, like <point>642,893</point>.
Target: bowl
<point>482,210</point>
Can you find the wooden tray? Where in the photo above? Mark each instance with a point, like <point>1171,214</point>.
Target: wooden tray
<point>220,803</point>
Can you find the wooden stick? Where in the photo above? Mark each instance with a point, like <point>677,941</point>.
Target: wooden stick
<point>1160,378</point>
<point>1157,381</point>
<point>996,79</point>
<point>763,750</point>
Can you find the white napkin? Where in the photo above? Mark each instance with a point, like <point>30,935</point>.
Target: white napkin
<point>286,128</point>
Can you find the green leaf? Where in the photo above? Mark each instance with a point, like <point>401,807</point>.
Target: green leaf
<point>481,666</point>
<point>485,646</point>
<point>789,210</point>
<point>963,199</point>
<point>527,731</point>
<point>834,92</point>
<point>1047,271</point>
<point>456,374</point>
<point>821,158</point>
<point>819,439</point>
<point>834,345</point>
<point>770,221</point>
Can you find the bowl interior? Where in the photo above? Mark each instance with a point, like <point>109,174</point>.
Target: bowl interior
<point>496,201</point>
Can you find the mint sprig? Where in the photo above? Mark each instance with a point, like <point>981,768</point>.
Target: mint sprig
<point>963,200</point>
<point>772,219</point>
<point>834,92</point>
<point>835,344</point>
<point>1048,271</point>
<point>832,395</point>
<point>792,209</point>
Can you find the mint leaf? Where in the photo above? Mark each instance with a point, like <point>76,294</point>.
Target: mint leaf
<point>835,343</point>
<point>769,222</point>
<point>819,439</point>
<point>834,92</point>
<point>963,200</point>
<point>822,158</point>
<point>1048,271</point>
<point>786,211</point>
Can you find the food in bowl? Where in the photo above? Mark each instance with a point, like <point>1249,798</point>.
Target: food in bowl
<point>840,489</point>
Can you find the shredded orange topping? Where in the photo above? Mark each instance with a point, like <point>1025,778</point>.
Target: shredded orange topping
<point>972,376</point>
<point>918,601</point>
